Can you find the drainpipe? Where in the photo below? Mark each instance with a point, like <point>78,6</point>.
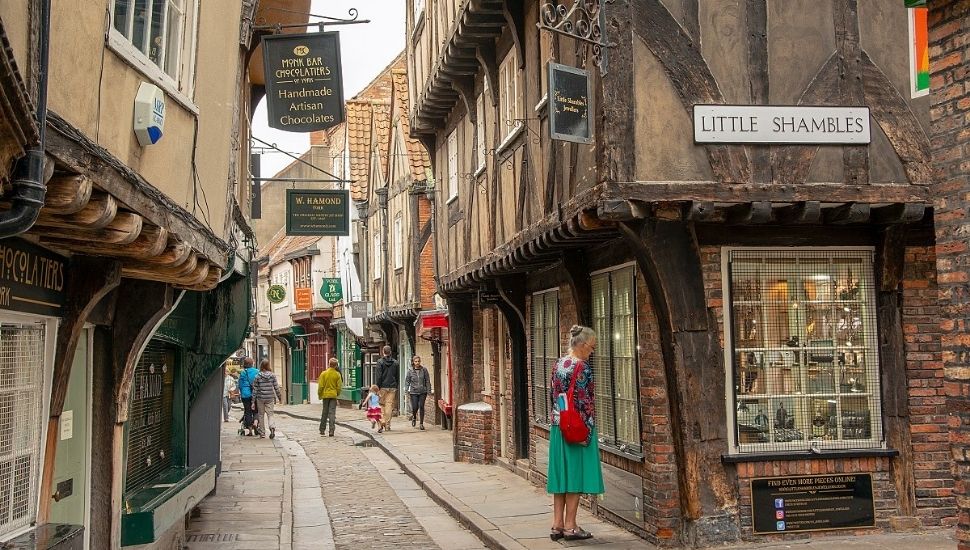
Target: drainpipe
<point>28,177</point>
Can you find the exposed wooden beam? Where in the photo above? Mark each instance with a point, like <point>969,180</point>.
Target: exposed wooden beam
<point>151,241</point>
<point>67,194</point>
<point>898,213</point>
<point>123,230</point>
<point>741,193</point>
<point>96,214</point>
<point>807,212</point>
<point>852,212</point>
<point>749,213</point>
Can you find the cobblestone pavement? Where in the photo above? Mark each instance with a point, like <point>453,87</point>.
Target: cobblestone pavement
<point>371,502</point>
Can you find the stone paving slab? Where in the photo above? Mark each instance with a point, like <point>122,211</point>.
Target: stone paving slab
<point>481,497</point>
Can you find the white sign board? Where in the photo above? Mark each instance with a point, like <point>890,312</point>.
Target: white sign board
<point>67,425</point>
<point>776,124</point>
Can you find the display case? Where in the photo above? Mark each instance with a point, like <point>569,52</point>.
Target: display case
<point>803,348</point>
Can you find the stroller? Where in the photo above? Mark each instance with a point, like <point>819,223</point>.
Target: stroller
<point>254,429</point>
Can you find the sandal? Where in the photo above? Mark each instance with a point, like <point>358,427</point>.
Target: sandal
<point>555,534</point>
<point>576,534</point>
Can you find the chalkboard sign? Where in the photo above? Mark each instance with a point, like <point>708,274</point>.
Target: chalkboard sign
<point>569,96</point>
<point>304,88</point>
<point>812,503</point>
<point>150,417</point>
<point>318,212</point>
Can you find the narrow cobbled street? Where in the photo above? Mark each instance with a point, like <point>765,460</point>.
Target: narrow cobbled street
<point>302,491</point>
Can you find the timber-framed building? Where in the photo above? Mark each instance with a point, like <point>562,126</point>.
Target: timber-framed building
<point>763,310</point>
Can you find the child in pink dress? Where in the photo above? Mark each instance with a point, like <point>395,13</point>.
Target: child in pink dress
<point>373,404</point>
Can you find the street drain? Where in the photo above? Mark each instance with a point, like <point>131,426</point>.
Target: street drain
<point>365,443</point>
<point>212,537</point>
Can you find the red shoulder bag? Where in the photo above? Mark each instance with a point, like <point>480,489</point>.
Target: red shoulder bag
<point>571,424</point>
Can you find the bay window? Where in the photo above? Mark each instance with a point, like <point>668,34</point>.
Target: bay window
<point>801,343</point>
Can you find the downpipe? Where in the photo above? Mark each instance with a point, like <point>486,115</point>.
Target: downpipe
<point>29,186</point>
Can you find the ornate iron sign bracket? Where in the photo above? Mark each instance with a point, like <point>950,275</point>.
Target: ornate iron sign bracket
<point>583,20</point>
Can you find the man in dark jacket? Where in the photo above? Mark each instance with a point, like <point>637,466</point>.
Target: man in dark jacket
<point>387,380</point>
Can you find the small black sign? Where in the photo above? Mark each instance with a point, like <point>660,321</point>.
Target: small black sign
<point>812,503</point>
<point>318,212</point>
<point>569,116</point>
<point>304,87</point>
<point>32,279</point>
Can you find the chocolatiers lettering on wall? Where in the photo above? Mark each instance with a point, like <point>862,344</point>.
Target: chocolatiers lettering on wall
<point>32,279</point>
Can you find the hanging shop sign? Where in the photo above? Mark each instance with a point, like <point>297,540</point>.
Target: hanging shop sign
<point>779,124</point>
<point>569,117</point>
<point>304,88</point>
<point>318,212</point>
<point>812,503</point>
<point>276,294</point>
<point>332,290</point>
<point>359,310</point>
<point>32,279</point>
<point>304,299</point>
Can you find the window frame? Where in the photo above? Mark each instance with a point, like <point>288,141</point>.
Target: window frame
<point>510,107</point>
<point>868,300</point>
<point>180,88</point>
<point>378,268</point>
<point>632,448</point>
<point>480,128</point>
<point>398,241</point>
<point>545,361</point>
<point>50,326</point>
<point>451,150</point>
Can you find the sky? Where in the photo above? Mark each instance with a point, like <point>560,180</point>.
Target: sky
<point>365,50</point>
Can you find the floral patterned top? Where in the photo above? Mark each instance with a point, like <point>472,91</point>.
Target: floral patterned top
<point>583,394</point>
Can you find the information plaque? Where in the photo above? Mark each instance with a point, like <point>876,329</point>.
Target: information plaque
<point>812,503</point>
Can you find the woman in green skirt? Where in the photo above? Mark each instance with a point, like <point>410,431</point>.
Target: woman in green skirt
<point>574,468</point>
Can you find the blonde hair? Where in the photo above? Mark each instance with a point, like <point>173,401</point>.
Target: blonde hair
<point>374,388</point>
<point>333,362</point>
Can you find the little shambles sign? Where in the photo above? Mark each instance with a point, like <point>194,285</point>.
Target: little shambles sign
<point>317,212</point>
<point>812,503</point>
<point>304,91</point>
<point>569,118</point>
<point>777,124</point>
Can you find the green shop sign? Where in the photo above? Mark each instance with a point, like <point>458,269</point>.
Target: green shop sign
<point>318,212</point>
<point>915,3</point>
<point>331,290</point>
<point>276,294</point>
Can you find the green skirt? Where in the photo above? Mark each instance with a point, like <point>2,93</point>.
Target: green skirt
<point>574,468</point>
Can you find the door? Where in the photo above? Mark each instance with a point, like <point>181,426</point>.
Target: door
<point>71,490</point>
<point>404,363</point>
<point>504,395</point>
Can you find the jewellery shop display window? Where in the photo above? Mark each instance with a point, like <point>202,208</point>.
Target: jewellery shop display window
<point>150,446</point>
<point>801,333</point>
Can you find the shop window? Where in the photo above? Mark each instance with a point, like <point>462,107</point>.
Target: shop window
<point>615,360</point>
<point>453,165</point>
<point>159,31</point>
<point>378,257</point>
<point>545,350</point>
<point>150,417</point>
<point>398,242</point>
<point>510,114</point>
<point>801,339</point>
<point>22,355</point>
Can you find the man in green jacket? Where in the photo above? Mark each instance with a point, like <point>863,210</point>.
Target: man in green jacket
<point>328,388</point>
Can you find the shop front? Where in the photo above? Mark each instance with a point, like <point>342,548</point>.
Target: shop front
<point>431,327</point>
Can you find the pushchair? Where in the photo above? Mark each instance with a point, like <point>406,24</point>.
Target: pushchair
<point>255,425</point>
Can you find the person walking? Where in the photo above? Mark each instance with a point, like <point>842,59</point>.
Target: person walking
<point>267,392</point>
<point>574,468</point>
<point>246,379</point>
<point>373,403</point>
<point>230,390</point>
<point>328,388</point>
<point>387,379</point>
<point>417,384</point>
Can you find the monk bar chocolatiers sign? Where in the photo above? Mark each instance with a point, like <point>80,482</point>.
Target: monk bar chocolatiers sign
<point>812,503</point>
<point>32,279</point>
<point>304,88</point>
<point>317,212</point>
<point>569,118</point>
<point>781,124</point>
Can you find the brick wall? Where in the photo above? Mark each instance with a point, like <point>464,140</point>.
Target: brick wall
<point>475,434</point>
<point>927,400</point>
<point>428,287</point>
<point>949,23</point>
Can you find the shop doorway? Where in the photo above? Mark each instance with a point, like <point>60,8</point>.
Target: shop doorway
<point>71,465</point>
<point>504,395</point>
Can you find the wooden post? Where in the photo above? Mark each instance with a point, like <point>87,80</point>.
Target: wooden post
<point>141,306</point>
<point>460,327</point>
<point>667,254</point>
<point>512,305</point>
<point>83,294</point>
<point>577,275</point>
<point>890,260</point>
